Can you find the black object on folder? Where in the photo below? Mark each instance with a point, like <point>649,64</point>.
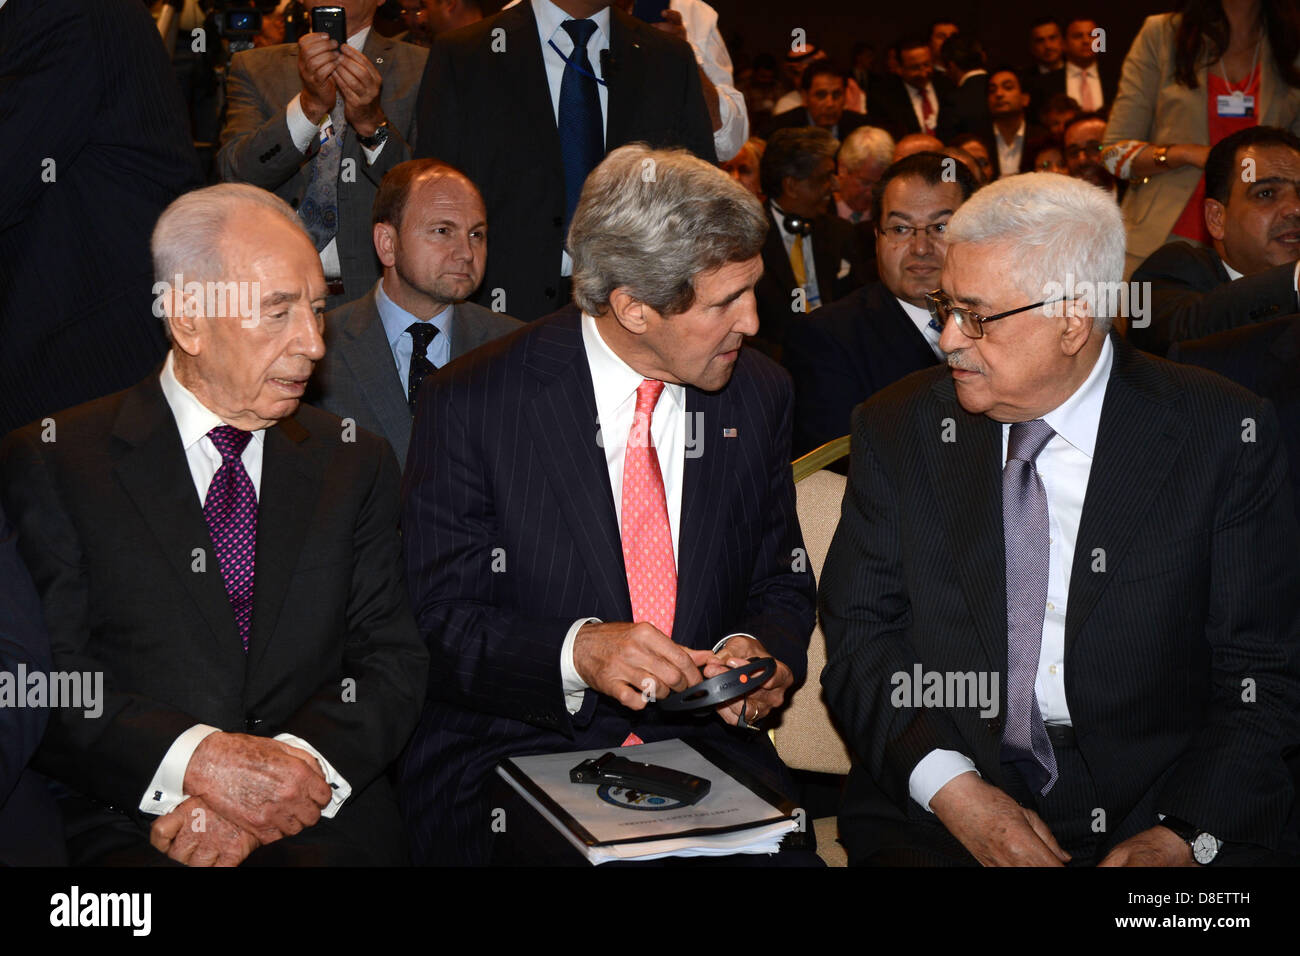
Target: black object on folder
<point>642,777</point>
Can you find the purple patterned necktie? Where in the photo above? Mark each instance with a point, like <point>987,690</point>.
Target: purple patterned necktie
<point>231,513</point>
<point>1025,529</point>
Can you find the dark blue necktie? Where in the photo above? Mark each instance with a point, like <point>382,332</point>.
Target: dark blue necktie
<point>582,136</point>
<point>422,334</point>
<point>1026,530</point>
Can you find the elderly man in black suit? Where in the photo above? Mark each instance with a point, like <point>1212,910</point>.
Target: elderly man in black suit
<point>430,233</point>
<point>603,505</point>
<point>527,102</point>
<point>319,123</point>
<point>847,351</point>
<point>229,560</point>
<point>96,143</point>
<point>1250,274</point>
<point>1062,607</point>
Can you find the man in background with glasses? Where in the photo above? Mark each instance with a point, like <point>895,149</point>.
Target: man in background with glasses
<point>1061,608</point>
<point>847,351</point>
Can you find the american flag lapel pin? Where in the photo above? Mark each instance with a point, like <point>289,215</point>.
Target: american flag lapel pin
<point>728,433</point>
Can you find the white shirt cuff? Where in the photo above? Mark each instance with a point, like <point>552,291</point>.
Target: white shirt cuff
<point>717,648</point>
<point>301,130</point>
<point>734,131</point>
<point>340,787</point>
<point>934,771</point>
<point>571,682</point>
<point>166,790</point>
<point>1295,279</point>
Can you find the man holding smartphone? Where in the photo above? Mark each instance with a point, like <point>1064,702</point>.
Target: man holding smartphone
<point>319,122</point>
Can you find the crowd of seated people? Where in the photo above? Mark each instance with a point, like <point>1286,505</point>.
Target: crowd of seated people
<point>434,402</point>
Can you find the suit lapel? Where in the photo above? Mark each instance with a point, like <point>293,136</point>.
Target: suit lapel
<point>703,513</point>
<point>825,259</point>
<point>896,330</point>
<point>966,474</point>
<point>287,501</point>
<point>462,328</point>
<point>1138,434</point>
<point>563,419</point>
<point>523,71</point>
<point>775,259</point>
<point>365,349</point>
<point>153,470</point>
<point>626,81</point>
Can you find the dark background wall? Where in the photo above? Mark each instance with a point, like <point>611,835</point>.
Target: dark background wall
<point>753,26</point>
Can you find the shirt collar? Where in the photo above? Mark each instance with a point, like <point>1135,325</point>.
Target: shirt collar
<point>1073,70</point>
<point>397,320</point>
<point>358,40</point>
<point>969,73</point>
<point>1233,274</point>
<point>613,380</point>
<point>549,17</point>
<point>1076,419</point>
<point>193,418</point>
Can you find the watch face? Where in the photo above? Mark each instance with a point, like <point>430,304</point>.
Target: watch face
<point>1205,848</point>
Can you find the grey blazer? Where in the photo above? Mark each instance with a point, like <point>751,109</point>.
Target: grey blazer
<point>256,147</point>
<point>358,379</point>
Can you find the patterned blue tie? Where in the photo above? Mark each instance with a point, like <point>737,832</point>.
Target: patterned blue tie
<point>582,137</point>
<point>1025,529</point>
<point>319,209</point>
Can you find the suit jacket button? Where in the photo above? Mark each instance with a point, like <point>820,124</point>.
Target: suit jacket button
<point>250,723</point>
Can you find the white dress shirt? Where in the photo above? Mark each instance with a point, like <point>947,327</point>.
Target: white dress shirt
<point>194,420</point>
<point>615,384</point>
<point>929,94</point>
<point>701,23</point>
<point>302,131</point>
<point>549,17</point>
<point>921,319</point>
<point>1075,80</point>
<point>1010,154</point>
<point>1064,466</point>
<point>812,291</point>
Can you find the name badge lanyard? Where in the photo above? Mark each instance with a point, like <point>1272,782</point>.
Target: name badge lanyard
<point>1237,103</point>
<point>574,64</point>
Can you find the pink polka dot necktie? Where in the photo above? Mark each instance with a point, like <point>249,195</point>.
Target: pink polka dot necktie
<point>647,536</point>
<point>230,510</point>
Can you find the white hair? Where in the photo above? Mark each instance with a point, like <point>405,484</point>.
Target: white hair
<point>187,237</point>
<point>1063,232</point>
<point>651,220</point>
<point>867,142</point>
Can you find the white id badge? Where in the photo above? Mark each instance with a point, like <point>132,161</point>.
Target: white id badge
<point>1236,104</point>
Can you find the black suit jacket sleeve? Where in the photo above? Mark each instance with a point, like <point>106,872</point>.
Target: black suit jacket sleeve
<point>867,616</point>
<point>22,641</point>
<point>361,726</point>
<point>1233,779</point>
<point>1190,297</point>
<point>478,646</point>
<point>779,611</point>
<point>111,756</point>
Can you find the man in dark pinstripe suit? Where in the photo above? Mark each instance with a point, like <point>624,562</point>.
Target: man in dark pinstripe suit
<point>599,508</point>
<point>1109,537</point>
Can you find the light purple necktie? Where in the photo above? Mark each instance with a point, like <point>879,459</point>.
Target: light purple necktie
<point>230,510</point>
<point>1025,529</point>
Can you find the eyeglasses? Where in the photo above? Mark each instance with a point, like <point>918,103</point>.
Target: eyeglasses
<point>935,232</point>
<point>971,323</point>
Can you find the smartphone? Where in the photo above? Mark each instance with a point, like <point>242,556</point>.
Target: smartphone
<point>331,21</point>
<point>650,11</point>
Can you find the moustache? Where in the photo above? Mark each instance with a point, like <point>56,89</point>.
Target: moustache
<point>959,360</point>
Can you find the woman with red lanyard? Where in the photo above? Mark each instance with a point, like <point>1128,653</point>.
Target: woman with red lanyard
<point>1190,79</point>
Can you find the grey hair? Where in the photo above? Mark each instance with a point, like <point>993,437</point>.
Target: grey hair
<point>867,142</point>
<point>1065,233</point>
<point>187,237</point>
<point>651,220</point>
